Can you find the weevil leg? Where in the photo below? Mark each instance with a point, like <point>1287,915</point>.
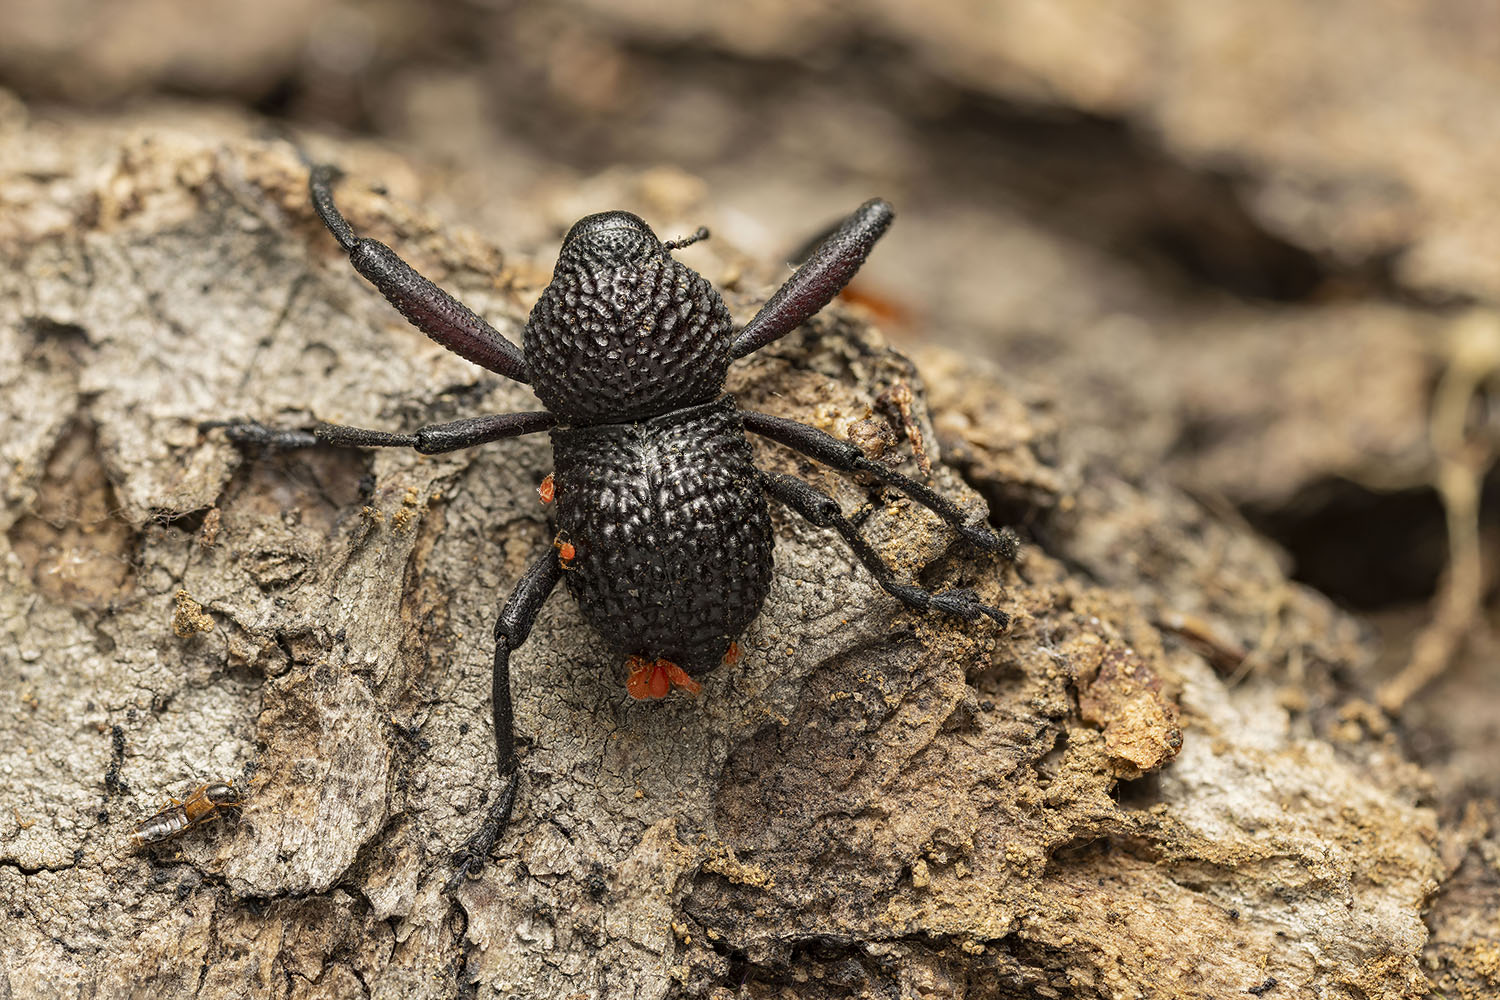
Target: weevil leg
<point>430,440</point>
<point>822,510</point>
<point>511,631</point>
<point>822,276</point>
<point>426,306</point>
<point>845,457</point>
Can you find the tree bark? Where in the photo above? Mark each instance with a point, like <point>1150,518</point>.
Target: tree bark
<point>1145,789</point>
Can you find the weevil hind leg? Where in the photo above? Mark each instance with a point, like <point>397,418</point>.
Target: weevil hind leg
<point>822,510</point>
<point>845,457</point>
<point>516,620</point>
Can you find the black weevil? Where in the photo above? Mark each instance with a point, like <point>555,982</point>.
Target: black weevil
<point>663,532</point>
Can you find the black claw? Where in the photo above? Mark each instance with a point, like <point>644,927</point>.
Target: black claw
<point>965,604</point>
<point>1006,544</point>
<point>251,434</point>
<point>1010,544</point>
<point>464,863</point>
<point>470,859</point>
<point>1001,618</point>
<point>238,431</point>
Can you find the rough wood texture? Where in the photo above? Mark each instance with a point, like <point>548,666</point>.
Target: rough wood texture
<point>1102,804</point>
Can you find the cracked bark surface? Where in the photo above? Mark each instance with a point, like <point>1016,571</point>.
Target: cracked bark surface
<point>871,803</point>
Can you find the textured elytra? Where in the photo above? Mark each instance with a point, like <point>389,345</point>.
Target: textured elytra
<point>671,534</point>
<point>624,331</point>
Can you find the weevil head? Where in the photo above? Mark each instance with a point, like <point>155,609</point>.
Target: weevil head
<point>611,239</point>
<point>624,331</point>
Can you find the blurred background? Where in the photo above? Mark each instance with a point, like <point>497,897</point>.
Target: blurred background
<point>1252,248</point>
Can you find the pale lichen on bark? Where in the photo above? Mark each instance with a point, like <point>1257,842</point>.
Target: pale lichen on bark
<point>871,800</point>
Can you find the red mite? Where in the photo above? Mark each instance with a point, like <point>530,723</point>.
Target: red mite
<point>654,678</point>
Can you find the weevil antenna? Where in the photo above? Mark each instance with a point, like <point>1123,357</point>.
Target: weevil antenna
<point>686,241</point>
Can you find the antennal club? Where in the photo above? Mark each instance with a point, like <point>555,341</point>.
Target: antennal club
<point>686,241</point>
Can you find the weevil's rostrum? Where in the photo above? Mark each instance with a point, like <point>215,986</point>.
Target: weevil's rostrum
<point>662,526</point>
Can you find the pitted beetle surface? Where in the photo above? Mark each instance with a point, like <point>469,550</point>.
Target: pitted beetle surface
<point>663,532</point>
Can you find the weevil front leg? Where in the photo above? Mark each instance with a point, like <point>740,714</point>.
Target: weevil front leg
<point>426,306</point>
<point>822,276</point>
<point>511,631</point>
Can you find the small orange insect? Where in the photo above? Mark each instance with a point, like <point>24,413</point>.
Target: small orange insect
<point>201,805</point>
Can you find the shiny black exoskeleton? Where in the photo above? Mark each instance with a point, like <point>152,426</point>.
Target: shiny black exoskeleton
<point>663,532</point>
<point>670,530</point>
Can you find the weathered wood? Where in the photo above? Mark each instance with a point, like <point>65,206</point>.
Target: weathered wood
<point>870,801</point>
